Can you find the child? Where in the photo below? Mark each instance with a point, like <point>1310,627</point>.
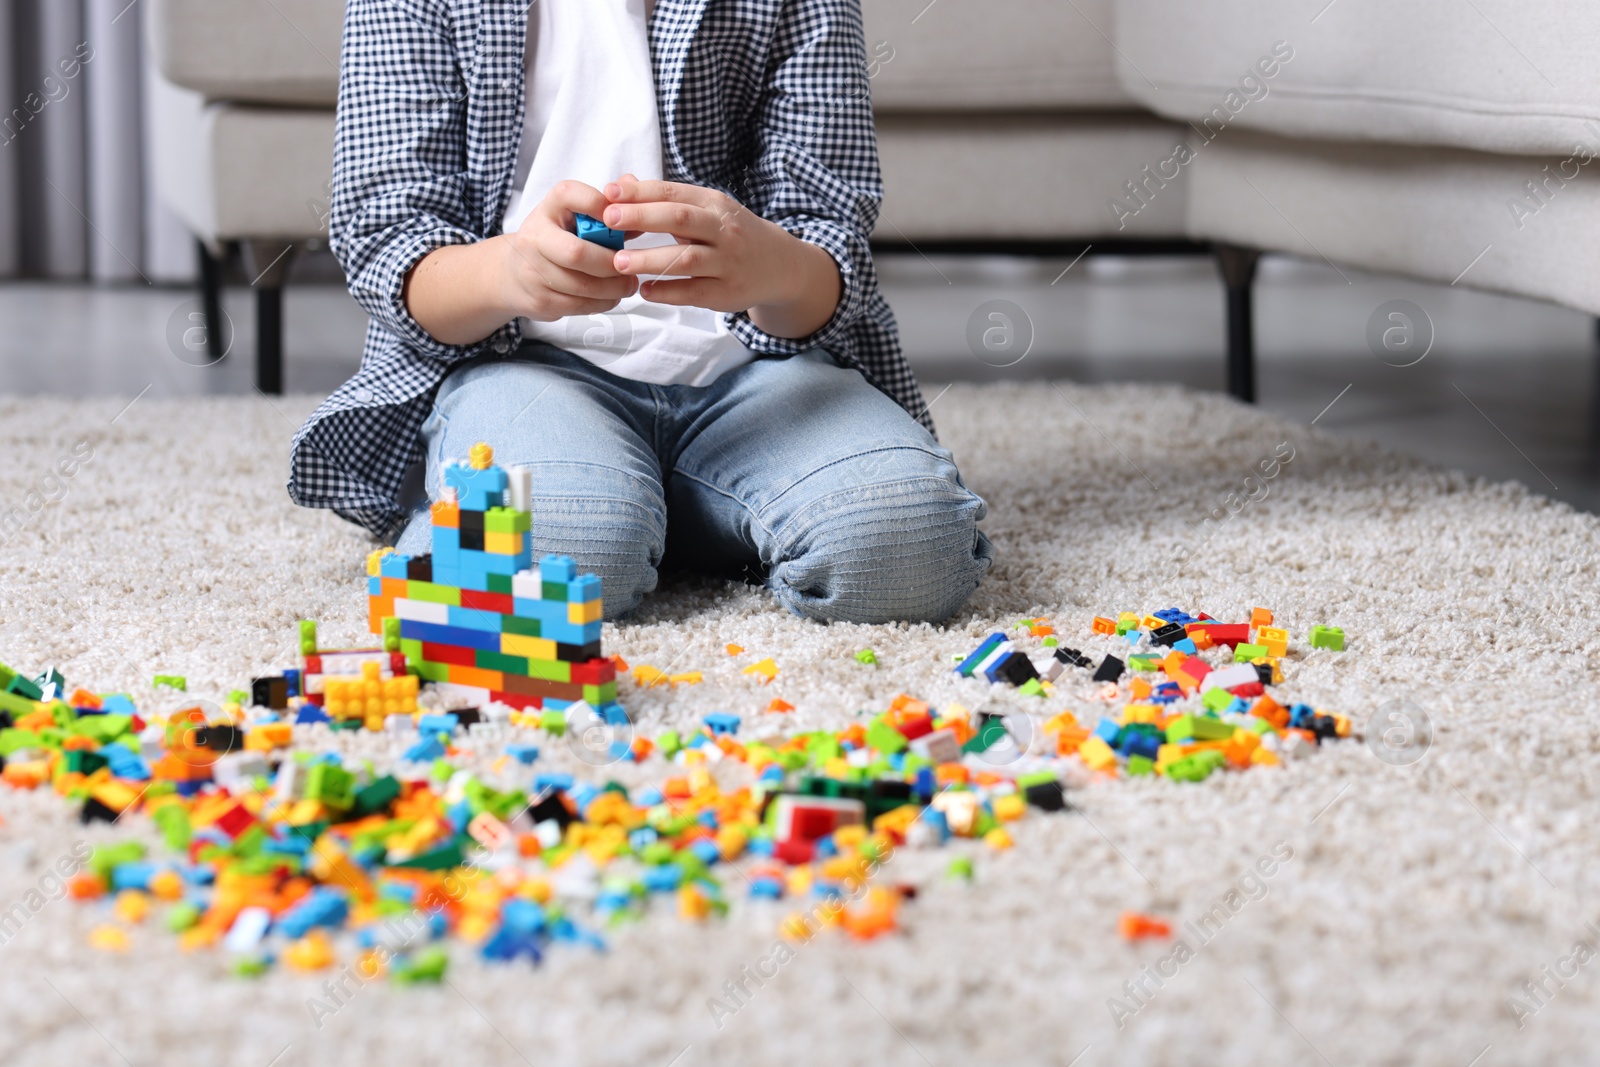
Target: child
<point>754,411</point>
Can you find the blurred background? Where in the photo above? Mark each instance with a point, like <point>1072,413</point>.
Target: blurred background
<point>1096,190</point>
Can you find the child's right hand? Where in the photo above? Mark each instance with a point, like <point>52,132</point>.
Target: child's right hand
<point>462,293</point>
<point>550,272</point>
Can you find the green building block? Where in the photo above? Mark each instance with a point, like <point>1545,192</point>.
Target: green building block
<point>988,735</point>
<point>1049,642</point>
<point>428,965</point>
<point>105,857</point>
<point>1031,688</point>
<point>182,916</point>
<point>239,697</point>
<point>1217,698</point>
<point>251,966</point>
<point>867,656</point>
<point>391,634</point>
<point>1140,765</point>
<point>1246,653</point>
<point>669,743</point>
<point>171,681</point>
<point>885,738</point>
<point>377,796</point>
<point>1329,637</point>
<point>960,867</point>
<point>331,784</point>
<point>1144,662</point>
<point>553,722</point>
<point>1208,729</point>
<point>1180,729</point>
<point>308,637</point>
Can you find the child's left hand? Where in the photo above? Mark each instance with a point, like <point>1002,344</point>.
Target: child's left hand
<point>727,257</point>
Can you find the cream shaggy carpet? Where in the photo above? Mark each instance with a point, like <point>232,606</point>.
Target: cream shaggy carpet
<point>1416,900</point>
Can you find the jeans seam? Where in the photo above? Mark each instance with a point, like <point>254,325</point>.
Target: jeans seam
<point>755,517</point>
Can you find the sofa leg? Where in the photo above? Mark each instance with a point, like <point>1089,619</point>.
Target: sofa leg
<point>1238,266</point>
<point>211,301</point>
<point>269,262</point>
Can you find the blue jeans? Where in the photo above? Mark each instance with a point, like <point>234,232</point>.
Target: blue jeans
<point>797,468</point>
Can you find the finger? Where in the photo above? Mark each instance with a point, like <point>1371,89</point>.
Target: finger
<point>685,221</point>
<point>694,292</point>
<point>569,198</point>
<point>630,190</point>
<point>578,284</point>
<point>566,249</point>
<point>682,261</point>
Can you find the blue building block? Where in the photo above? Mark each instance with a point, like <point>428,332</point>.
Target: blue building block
<point>450,635</point>
<point>1107,730</point>
<point>720,722</point>
<point>597,232</point>
<point>446,543</point>
<point>545,782</point>
<point>375,585</point>
<point>558,569</point>
<point>477,490</point>
<point>292,680</point>
<point>310,713</point>
<point>438,724</point>
<point>474,619</point>
<point>425,751</point>
<point>321,907</point>
<point>979,654</point>
<point>662,879</point>
<point>393,565</point>
<point>523,753</point>
<point>584,589</point>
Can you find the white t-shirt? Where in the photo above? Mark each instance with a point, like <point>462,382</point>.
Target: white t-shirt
<point>592,117</point>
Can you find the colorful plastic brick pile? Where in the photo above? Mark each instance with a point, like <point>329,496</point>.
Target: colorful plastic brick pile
<point>1204,706</point>
<point>291,843</point>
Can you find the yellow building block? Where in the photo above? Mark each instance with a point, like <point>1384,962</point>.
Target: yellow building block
<point>1097,754</point>
<point>532,647</point>
<point>1276,640</point>
<point>1010,808</point>
<point>578,614</point>
<point>503,544</point>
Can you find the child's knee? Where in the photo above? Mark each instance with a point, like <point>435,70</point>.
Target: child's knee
<point>911,554</point>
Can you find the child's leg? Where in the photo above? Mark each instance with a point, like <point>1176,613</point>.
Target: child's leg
<point>597,493</point>
<point>856,510</point>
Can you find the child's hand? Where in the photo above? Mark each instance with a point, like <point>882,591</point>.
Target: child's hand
<point>550,273</point>
<point>727,258</point>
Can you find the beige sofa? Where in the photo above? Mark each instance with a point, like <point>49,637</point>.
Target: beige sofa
<point>1396,138</point>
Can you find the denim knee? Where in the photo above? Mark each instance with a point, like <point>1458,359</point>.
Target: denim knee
<point>909,552</point>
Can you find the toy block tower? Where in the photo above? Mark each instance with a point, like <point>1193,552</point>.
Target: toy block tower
<point>475,616</point>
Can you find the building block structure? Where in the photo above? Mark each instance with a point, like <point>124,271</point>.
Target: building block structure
<point>477,618</point>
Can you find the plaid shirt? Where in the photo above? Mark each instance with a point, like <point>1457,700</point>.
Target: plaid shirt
<point>766,100</point>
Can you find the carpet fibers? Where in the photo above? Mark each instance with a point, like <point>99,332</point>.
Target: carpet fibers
<point>1419,880</point>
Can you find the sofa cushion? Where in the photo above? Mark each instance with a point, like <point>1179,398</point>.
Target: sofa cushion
<point>991,54</point>
<point>1495,75</point>
<point>1022,177</point>
<point>1448,214</point>
<point>251,51</point>
<point>234,171</point>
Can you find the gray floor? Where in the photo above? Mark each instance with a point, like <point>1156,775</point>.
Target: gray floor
<point>1507,390</point>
